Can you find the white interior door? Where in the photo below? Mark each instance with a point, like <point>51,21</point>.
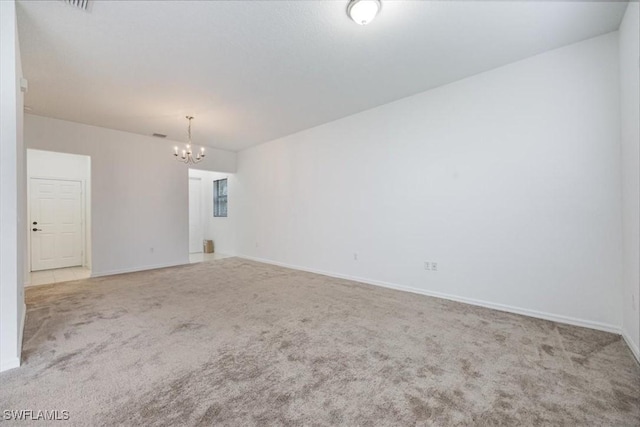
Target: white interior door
<point>56,223</point>
<point>196,232</point>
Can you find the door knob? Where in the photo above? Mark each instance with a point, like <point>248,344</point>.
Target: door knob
<point>37,229</point>
<point>35,222</point>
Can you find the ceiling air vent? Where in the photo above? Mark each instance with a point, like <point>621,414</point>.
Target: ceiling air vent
<point>80,4</point>
<point>159,135</point>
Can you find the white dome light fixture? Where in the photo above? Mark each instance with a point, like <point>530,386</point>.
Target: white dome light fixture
<point>363,11</point>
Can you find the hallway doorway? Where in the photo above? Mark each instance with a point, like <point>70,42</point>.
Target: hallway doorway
<point>196,231</point>
<point>59,210</point>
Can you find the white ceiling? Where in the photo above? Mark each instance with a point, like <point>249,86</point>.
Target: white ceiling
<point>252,71</point>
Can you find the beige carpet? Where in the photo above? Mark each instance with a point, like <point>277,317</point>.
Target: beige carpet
<point>234,342</point>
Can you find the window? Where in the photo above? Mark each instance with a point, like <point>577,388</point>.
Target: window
<point>220,197</point>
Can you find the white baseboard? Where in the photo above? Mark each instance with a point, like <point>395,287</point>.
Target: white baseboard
<point>14,362</point>
<point>501,307</point>
<point>21,330</point>
<point>136,269</point>
<point>632,346</point>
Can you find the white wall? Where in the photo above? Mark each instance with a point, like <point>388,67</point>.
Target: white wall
<point>139,203</point>
<point>12,186</point>
<point>52,165</point>
<point>22,200</point>
<point>630,125</point>
<point>509,179</point>
<point>221,230</point>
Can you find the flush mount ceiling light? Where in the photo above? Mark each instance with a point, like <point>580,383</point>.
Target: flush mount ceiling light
<point>187,156</point>
<point>363,11</point>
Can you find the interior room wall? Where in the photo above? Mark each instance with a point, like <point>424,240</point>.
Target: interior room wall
<point>630,135</point>
<point>139,203</point>
<point>12,194</point>
<point>219,229</point>
<point>21,158</point>
<point>52,165</point>
<point>509,180</point>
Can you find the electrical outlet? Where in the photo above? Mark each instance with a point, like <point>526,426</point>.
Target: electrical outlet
<point>355,256</point>
<point>431,266</point>
<point>151,250</point>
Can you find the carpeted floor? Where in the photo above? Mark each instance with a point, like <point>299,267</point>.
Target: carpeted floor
<point>235,342</point>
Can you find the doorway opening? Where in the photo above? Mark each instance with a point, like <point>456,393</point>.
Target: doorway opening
<point>59,210</point>
<point>196,229</point>
<point>211,215</point>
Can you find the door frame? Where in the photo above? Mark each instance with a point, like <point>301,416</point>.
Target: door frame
<point>202,213</point>
<point>83,213</point>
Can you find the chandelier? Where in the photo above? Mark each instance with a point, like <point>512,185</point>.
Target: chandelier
<point>186,156</point>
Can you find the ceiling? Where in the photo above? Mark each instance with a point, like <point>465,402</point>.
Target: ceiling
<point>252,71</point>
